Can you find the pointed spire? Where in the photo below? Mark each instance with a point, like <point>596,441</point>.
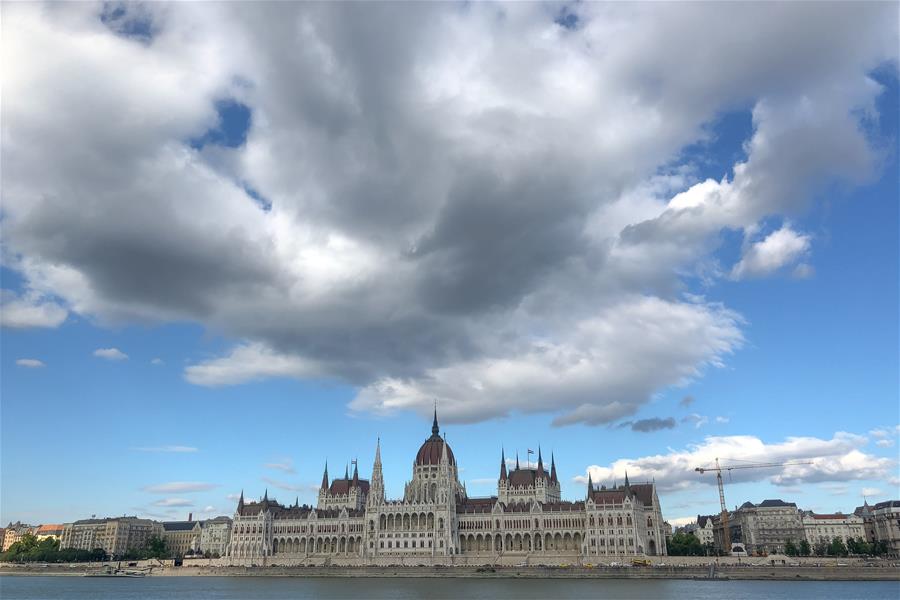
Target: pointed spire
<point>517,460</point>
<point>590,486</point>
<point>325,477</point>
<point>355,474</point>
<point>266,495</point>
<point>241,501</point>
<point>540,465</point>
<point>347,472</point>
<point>502,464</point>
<point>553,468</point>
<point>297,502</point>
<point>434,426</point>
<point>376,493</point>
<point>626,480</point>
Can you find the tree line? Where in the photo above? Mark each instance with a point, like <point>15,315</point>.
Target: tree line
<point>687,544</point>
<point>30,549</point>
<point>836,547</point>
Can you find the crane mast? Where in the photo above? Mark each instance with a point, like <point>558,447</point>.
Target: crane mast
<point>726,532</point>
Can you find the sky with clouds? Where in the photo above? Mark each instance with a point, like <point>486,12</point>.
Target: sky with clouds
<point>240,239</point>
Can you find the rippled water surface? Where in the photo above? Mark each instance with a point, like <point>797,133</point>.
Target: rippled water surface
<point>270,588</point>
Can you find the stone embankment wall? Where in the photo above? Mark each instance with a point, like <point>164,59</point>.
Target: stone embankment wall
<point>845,572</point>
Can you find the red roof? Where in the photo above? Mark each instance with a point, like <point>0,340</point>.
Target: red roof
<point>431,451</point>
<point>642,491</point>
<point>340,487</point>
<point>522,477</point>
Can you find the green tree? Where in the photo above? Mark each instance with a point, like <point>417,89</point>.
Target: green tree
<point>804,548</point>
<point>837,547</point>
<point>857,546</point>
<point>880,547</point>
<point>685,544</point>
<point>790,548</point>
<point>156,548</point>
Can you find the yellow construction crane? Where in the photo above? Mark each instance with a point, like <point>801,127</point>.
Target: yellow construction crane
<point>726,533</point>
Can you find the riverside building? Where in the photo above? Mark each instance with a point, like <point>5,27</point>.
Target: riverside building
<point>114,535</point>
<point>436,522</point>
<point>823,528</point>
<point>886,521</point>
<point>763,528</point>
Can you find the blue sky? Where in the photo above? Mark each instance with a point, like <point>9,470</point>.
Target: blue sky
<point>238,276</point>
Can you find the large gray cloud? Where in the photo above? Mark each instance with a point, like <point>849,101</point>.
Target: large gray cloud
<point>468,202</point>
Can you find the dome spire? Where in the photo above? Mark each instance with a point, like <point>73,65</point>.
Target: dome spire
<point>434,426</point>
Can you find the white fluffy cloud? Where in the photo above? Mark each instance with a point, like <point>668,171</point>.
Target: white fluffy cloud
<point>173,502</point>
<point>591,374</point>
<point>30,310</point>
<point>782,247</point>
<point>247,363</point>
<point>839,459</point>
<point>30,363</point>
<point>439,222</point>
<point>110,354</point>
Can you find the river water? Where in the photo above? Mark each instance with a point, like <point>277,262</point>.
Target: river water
<point>295,588</point>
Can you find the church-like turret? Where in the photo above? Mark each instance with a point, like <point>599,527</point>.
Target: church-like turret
<point>325,478</point>
<point>376,494</point>
<point>553,478</point>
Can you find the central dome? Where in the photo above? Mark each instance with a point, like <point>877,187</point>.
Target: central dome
<point>431,451</point>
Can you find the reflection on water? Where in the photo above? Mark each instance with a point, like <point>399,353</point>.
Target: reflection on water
<point>293,588</point>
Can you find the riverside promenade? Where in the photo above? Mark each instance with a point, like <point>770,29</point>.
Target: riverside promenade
<point>730,569</point>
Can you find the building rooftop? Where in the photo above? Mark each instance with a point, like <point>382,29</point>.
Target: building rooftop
<point>771,503</point>
<point>179,525</point>
<point>702,520</point>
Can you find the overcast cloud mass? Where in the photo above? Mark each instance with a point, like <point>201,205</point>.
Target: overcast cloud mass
<point>462,202</point>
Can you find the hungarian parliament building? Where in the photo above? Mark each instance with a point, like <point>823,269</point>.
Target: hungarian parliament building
<point>436,522</point>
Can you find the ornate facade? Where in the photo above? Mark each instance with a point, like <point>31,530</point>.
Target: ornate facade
<point>436,522</point>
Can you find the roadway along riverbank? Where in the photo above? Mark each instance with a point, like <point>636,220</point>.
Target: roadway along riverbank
<point>779,573</point>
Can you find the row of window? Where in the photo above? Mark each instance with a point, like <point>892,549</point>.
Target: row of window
<point>406,544</point>
<point>612,542</point>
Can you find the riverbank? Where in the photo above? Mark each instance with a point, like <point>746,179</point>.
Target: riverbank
<point>887,572</point>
